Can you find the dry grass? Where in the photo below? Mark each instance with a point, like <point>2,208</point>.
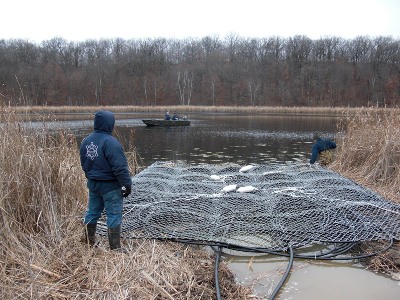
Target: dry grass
<point>43,196</point>
<point>369,150</point>
<point>369,153</point>
<point>181,109</point>
<point>42,199</point>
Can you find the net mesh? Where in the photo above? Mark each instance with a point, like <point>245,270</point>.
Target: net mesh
<point>267,206</point>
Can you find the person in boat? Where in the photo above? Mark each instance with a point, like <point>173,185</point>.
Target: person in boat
<point>108,179</point>
<point>175,117</point>
<point>322,149</point>
<point>167,116</point>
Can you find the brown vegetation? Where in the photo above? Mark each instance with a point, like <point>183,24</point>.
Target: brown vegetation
<point>42,199</point>
<point>231,71</point>
<point>369,153</point>
<point>369,149</point>
<point>43,196</point>
<point>330,111</point>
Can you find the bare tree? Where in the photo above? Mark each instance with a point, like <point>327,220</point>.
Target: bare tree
<point>253,87</point>
<point>185,86</point>
<point>207,71</point>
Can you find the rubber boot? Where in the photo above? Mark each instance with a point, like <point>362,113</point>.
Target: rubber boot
<point>90,234</point>
<point>114,239</point>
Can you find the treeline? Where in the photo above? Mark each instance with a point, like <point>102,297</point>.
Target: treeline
<point>273,71</point>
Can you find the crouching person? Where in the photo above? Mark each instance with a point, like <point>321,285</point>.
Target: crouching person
<point>106,168</point>
<point>322,149</point>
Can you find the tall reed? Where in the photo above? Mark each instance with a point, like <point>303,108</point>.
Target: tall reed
<point>369,153</point>
<point>40,179</point>
<point>369,149</point>
<point>190,109</point>
<point>42,194</point>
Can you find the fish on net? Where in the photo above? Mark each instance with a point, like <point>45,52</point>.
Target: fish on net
<point>280,206</point>
<point>291,210</point>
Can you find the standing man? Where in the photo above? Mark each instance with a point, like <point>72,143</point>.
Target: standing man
<point>322,147</point>
<point>106,168</point>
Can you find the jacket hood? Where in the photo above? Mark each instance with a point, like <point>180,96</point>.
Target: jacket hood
<point>104,121</point>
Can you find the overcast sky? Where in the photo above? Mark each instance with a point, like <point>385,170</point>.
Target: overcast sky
<point>79,20</point>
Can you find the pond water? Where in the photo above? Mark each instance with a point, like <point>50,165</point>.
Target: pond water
<point>215,138</point>
<point>245,139</point>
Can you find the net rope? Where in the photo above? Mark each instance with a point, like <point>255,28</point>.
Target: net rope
<point>260,206</point>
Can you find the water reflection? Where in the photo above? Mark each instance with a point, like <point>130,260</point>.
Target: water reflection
<point>211,138</point>
<point>227,138</point>
<point>330,280</point>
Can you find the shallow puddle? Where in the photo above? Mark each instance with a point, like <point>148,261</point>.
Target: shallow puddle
<point>313,279</point>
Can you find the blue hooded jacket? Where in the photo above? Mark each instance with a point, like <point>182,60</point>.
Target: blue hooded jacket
<point>319,146</point>
<point>102,156</point>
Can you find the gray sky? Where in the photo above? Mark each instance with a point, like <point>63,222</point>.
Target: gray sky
<point>79,20</point>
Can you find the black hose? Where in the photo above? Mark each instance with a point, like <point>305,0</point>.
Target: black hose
<point>333,254</point>
<point>362,256</point>
<point>289,267</point>
<point>324,256</point>
<point>329,255</point>
<point>216,278</point>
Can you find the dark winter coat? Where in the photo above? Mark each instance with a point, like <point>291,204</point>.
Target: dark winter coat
<point>319,146</point>
<point>102,156</point>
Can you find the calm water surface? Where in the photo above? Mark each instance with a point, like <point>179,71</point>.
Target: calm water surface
<point>222,138</point>
<point>218,138</point>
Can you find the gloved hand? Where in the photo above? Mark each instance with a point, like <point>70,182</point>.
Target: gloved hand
<point>126,190</point>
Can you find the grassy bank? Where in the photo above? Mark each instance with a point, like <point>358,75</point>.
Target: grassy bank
<point>42,199</point>
<point>181,109</point>
<point>369,150</point>
<point>369,153</point>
